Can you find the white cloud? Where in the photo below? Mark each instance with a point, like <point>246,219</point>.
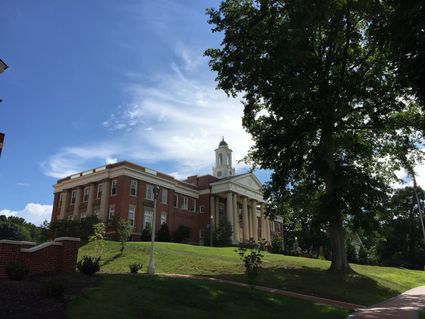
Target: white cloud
<point>23,184</point>
<point>32,212</point>
<point>177,118</point>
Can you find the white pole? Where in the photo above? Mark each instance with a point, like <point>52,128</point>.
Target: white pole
<point>151,269</point>
<point>419,206</point>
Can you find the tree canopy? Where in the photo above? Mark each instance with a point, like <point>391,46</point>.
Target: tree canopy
<point>323,103</point>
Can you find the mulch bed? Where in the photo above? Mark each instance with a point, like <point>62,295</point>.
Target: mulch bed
<point>28,299</point>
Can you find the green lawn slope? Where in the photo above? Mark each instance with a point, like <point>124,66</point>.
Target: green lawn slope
<point>365,286</point>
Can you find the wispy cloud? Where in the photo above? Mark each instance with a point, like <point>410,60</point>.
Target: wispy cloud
<point>32,212</point>
<point>177,118</point>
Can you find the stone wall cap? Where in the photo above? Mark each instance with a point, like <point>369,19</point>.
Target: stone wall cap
<point>67,238</point>
<point>16,242</point>
<point>39,247</point>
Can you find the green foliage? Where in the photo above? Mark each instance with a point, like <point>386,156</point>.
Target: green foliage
<point>17,270</point>
<point>182,234</point>
<point>97,238</point>
<point>82,229</point>
<point>135,267</point>
<point>146,233</point>
<point>163,233</point>
<point>223,233</point>
<point>322,105</point>
<point>363,256</point>
<point>123,229</point>
<point>16,228</point>
<point>276,244</point>
<point>53,288</point>
<point>89,265</point>
<point>252,256</point>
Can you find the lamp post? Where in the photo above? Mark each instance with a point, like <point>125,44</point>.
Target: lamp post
<point>151,269</point>
<point>211,230</point>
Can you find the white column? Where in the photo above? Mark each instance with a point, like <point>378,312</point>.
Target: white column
<point>77,203</point>
<point>91,199</point>
<point>245,229</point>
<point>254,220</point>
<point>104,202</point>
<point>216,213</point>
<point>263,222</point>
<point>268,230</point>
<point>229,209</point>
<point>236,226</point>
<point>64,203</point>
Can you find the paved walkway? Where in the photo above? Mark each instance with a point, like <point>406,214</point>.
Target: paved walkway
<point>287,293</point>
<point>404,306</point>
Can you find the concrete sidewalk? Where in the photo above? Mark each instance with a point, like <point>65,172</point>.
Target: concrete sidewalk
<point>404,306</point>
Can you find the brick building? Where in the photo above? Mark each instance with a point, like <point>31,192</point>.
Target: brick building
<point>127,190</point>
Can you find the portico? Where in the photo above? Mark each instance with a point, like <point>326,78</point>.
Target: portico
<point>239,199</point>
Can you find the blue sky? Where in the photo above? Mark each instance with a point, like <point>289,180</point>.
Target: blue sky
<point>94,82</point>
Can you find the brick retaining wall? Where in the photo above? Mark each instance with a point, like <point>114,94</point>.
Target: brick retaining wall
<point>59,255</point>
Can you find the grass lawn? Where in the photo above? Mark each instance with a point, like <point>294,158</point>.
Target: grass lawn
<point>365,286</point>
<point>143,296</point>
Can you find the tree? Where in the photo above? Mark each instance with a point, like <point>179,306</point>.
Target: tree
<point>123,230</point>
<point>163,233</point>
<point>321,100</point>
<point>97,238</point>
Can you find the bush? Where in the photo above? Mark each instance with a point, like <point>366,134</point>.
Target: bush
<point>17,270</point>
<point>89,265</point>
<point>53,288</point>
<point>182,234</point>
<point>146,233</point>
<point>352,254</point>
<point>135,267</point>
<point>163,233</point>
<point>276,244</point>
<point>251,255</point>
<point>222,236</point>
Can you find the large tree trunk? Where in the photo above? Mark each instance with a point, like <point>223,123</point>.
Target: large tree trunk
<point>339,253</point>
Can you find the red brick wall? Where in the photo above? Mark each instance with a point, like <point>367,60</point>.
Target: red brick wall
<point>57,256</point>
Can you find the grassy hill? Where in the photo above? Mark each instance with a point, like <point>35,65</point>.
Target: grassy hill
<point>365,286</point>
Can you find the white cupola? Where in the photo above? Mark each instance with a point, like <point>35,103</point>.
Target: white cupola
<point>223,161</point>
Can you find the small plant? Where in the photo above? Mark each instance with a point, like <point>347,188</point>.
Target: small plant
<point>123,229</point>
<point>17,270</point>
<point>252,256</point>
<point>276,244</point>
<point>53,288</point>
<point>97,238</point>
<point>89,265</point>
<point>135,267</point>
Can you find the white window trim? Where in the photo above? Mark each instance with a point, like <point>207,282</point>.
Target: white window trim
<point>176,204</point>
<point>194,205</point>
<point>133,182</point>
<point>73,196</point>
<point>185,203</point>
<point>84,194</point>
<point>163,214</point>
<point>60,200</point>
<point>164,193</point>
<point>133,209</point>
<point>149,195</point>
<point>148,212</point>
<point>99,190</point>
<point>112,187</point>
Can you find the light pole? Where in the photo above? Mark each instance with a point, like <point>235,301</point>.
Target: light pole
<point>151,269</point>
<point>211,230</point>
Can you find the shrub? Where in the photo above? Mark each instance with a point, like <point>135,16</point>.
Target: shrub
<point>123,229</point>
<point>276,244</point>
<point>17,270</point>
<point>352,254</point>
<point>222,236</point>
<point>146,233</point>
<point>89,265</point>
<point>252,258</point>
<point>53,288</point>
<point>135,267</point>
<point>97,238</point>
<point>163,233</point>
<point>182,234</point>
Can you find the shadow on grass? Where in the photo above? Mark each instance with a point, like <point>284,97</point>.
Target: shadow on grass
<point>351,287</point>
<point>111,259</point>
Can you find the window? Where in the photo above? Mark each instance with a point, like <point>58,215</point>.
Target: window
<point>164,196</point>
<point>149,192</point>
<point>114,187</point>
<point>185,203</point>
<point>148,217</point>
<point>73,195</point>
<point>220,159</point>
<point>111,213</point>
<point>194,205</point>
<point>96,211</point>
<point>86,194</point>
<point>83,214</point>
<point>201,209</point>
<point>229,160</point>
<point>133,187</point>
<point>163,218</point>
<point>99,190</point>
<point>221,210</point>
<point>60,200</point>
<point>176,200</point>
<point>131,214</point>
